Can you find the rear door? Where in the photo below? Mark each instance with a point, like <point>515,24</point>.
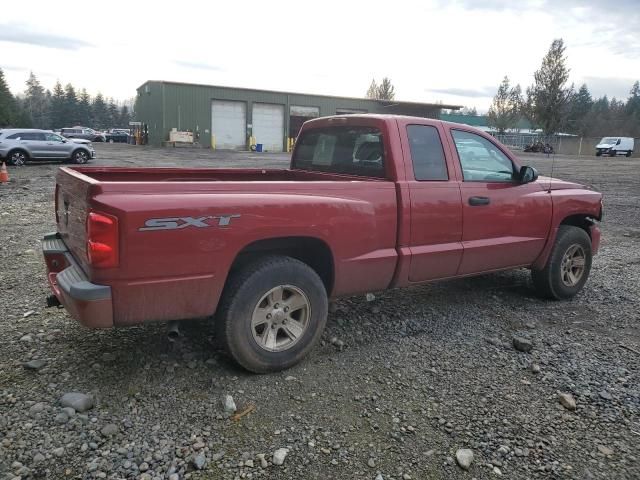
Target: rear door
<point>35,144</point>
<point>436,210</point>
<point>505,223</point>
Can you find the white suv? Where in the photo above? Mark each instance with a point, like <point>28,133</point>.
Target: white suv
<point>18,146</point>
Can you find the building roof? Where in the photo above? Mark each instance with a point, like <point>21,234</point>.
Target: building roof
<point>385,103</point>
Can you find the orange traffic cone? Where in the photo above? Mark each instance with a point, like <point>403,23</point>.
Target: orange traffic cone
<point>4,175</point>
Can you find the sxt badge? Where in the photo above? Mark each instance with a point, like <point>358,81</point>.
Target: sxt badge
<point>178,223</point>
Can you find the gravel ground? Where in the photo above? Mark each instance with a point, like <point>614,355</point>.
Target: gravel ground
<point>399,384</point>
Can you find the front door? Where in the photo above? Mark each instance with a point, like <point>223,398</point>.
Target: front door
<point>57,146</point>
<point>506,223</point>
<point>436,212</point>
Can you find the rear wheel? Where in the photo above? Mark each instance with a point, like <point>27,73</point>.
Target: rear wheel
<point>272,313</point>
<point>568,266</point>
<point>17,158</point>
<point>628,153</point>
<point>80,157</point>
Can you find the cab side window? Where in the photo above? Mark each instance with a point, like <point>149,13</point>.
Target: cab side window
<point>480,159</point>
<point>427,154</point>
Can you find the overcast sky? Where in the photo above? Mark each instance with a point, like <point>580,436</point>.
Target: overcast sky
<point>454,51</point>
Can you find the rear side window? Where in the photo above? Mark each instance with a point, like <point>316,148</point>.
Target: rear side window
<point>427,154</point>
<point>15,136</point>
<point>32,136</point>
<point>349,150</point>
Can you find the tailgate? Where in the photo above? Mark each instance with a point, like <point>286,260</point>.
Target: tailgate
<point>72,204</point>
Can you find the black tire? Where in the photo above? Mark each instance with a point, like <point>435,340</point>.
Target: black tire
<point>549,282</point>
<point>612,153</point>
<point>17,158</point>
<point>598,153</point>
<point>628,154</point>
<point>80,157</point>
<point>243,292</point>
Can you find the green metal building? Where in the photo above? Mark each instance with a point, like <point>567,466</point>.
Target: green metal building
<point>236,118</point>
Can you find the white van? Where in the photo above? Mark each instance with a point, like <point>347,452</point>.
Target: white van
<point>613,146</point>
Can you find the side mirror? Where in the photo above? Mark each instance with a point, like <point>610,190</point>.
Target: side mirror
<point>527,174</point>
<point>64,140</point>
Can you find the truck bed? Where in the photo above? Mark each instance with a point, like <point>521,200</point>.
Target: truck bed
<point>181,229</point>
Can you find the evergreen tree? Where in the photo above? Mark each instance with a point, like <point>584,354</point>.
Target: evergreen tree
<point>386,90</point>
<point>504,112</point>
<point>372,92</point>
<point>71,114</point>
<point>113,114</point>
<point>58,107</point>
<point>549,96</point>
<point>84,108</point>
<point>125,117</point>
<point>37,103</point>
<point>580,105</point>
<point>99,114</point>
<point>632,108</point>
<point>8,107</point>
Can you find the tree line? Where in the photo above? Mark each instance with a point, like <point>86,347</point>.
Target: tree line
<point>38,107</point>
<point>553,106</point>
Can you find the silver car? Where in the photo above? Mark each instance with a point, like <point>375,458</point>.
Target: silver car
<point>19,145</point>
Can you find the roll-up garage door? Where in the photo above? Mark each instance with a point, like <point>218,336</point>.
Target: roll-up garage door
<point>229,124</point>
<point>268,126</point>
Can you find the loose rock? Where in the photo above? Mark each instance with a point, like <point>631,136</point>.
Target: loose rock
<point>522,344</point>
<point>605,450</point>
<point>464,457</point>
<point>109,430</point>
<point>78,401</point>
<point>228,404</point>
<point>567,401</point>
<point>34,364</point>
<point>199,461</point>
<point>279,456</point>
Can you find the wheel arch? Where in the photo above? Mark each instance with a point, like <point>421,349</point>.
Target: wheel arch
<point>583,221</point>
<point>580,220</point>
<point>310,250</point>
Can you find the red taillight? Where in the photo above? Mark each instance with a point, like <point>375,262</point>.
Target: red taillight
<point>102,240</point>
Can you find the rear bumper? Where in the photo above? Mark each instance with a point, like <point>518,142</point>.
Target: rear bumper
<point>87,302</point>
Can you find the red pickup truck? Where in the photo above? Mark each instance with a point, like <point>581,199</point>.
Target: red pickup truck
<point>370,202</point>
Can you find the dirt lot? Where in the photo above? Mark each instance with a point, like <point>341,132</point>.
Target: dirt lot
<point>398,385</point>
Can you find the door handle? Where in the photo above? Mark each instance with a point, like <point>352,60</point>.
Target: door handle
<point>477,201</point>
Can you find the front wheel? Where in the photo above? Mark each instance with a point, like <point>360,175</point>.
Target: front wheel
<point>80,157</point>
<point>273,311</point>
<point>568,266</point>
<point>628,154</point>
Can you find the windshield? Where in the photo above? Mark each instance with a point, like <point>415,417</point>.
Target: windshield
<point>609,140</point>
<point>350,150</point>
